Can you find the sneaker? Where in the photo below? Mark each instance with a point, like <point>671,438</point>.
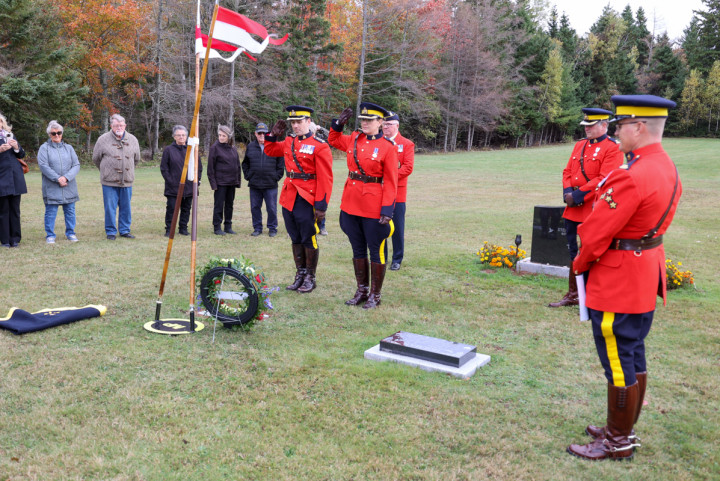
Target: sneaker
<point>50,240</point>
<point>72,238</point>
<point>272,233</point>
<point>256,233</point>
<point>323,232</point>
<point>395,266</point>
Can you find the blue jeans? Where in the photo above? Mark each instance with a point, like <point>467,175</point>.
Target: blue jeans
<point>114,197</point>
<point>256,200</point>
<point>51,213</point>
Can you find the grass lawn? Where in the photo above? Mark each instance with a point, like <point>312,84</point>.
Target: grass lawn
<point>294,398</point>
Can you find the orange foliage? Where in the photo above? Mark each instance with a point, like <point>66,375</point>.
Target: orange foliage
<point>345,18</point>
<point>113,40</point>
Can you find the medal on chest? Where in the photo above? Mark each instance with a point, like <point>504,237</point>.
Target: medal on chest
<point>400,147</point>
<point>307,149</point>
<point>375,153</point>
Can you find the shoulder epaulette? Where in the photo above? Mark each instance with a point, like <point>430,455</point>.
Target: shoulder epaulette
<point>322,141</point>
<point>612,139</point>
<point>292,135</point>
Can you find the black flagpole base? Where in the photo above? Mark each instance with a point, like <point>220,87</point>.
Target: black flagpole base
<point>174,327</point>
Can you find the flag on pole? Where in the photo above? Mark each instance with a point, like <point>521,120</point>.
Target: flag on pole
<point>233,33</point>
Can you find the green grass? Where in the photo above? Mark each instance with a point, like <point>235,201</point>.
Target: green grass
<point>294,399</point>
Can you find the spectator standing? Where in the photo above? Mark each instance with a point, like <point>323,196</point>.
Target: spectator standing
<point>262,174</point>
<point>171,167</point>
<point>59,165</point>
<point>12,185</point>
<point>224,175</point>
<point>116,153</point>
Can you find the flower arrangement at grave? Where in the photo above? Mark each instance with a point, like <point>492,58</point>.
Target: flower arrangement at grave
<point>497,256</point>
<point>236,308</point>
<point>677,278</point>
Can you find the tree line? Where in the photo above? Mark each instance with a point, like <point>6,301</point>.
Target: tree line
<point>462,74</point>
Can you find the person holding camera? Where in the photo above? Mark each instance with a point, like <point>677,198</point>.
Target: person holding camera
<point>12,185</point>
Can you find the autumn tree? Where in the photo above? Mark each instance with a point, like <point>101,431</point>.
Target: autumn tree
<point>35,84</point>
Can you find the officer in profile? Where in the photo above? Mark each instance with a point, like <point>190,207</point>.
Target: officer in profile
<point>306,190</point>
<point>622,253</point>
<point>593,158</point>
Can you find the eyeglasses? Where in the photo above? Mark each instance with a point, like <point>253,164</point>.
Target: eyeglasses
<point>55,133</point>
<point>619,126</point>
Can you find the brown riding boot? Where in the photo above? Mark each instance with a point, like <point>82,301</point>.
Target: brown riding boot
<point>362,277</point>
<point>616,444</point>
<point>377,273</point>
<point>599,432</point>
<point>571,297</point>
<point>311,260</point>
<point>299,256</point>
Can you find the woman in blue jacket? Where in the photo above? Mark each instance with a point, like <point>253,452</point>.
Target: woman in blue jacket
<point>59,165</point>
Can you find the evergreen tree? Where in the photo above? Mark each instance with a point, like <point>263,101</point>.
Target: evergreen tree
<point>668,69</point>
<point>691,45</point>
<point>35,84</point>
<point>709,24</point>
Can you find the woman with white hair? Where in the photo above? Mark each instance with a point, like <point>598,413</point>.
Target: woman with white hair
<point>59,165</point>
<point>12,185</point>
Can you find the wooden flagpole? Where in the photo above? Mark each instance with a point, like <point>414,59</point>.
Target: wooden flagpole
<point>193,135</point>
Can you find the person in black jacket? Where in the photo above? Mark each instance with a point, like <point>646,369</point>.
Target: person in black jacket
<point>171,166</point>
<point>12,185</point>
<point>224,176</point>
<point>262,173</point>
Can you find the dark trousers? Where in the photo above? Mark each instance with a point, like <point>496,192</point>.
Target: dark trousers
<point>620,343</point>
<point>185,206</point>
<point>224,199</point>
<point>571,233</point>
<point>10,220</point>
<point>300,223</point>
<point>398,237</point>
<point>257,196</point>
<point>365,235</point>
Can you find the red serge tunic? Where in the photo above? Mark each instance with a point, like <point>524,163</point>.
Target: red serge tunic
<point>378,158</point>
<point>599,157</point>
<point>631,202</point>
<point>406,162</point>
<point>314,157</point>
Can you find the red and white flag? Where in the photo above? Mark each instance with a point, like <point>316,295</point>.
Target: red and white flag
<point>233,33</point>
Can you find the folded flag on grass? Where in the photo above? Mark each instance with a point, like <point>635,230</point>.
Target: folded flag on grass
<point>20,322</point>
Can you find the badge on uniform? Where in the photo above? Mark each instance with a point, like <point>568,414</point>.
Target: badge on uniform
<point>607,197</point>
<point>307,149</point>
<point>375,153</point>
<point>400,147</point>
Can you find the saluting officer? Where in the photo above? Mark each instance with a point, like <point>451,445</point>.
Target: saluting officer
<point>623,254</point>
<point>305,192</point>
<point>406,161</point>
<point>592,159</point>
<point>368,198</point>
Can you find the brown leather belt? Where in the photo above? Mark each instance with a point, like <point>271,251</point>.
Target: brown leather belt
<point>368,179</point>
<point>636,244</point>
<point>298,175</point>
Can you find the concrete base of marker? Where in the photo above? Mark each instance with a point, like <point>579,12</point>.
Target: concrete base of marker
<point>527,265</point>
<point>465,371</point>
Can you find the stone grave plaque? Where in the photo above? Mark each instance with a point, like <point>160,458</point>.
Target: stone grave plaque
<point>549,244</point>
<point>428,348</point>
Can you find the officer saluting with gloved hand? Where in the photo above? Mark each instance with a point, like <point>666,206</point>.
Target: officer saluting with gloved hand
<point>368,199</point>
<point>306,190</point>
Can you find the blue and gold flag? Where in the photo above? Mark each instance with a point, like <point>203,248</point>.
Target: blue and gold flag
<point>20,322</point>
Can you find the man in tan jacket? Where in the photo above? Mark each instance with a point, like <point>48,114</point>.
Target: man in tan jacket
<point>116,154</point>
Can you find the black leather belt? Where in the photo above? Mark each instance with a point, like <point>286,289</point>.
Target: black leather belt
<point>636,244</point>
<point>298,175</point>
<point>368,179</point>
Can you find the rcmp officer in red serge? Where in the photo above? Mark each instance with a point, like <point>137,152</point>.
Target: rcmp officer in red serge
<point>406,161</point>
<point>623,256</point>
<point>306,190</point>
<point>368,198</point>
<point>592,159</point>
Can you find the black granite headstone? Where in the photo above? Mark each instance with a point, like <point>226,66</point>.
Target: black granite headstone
<point>549,244</point>
<point>428,348</point>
